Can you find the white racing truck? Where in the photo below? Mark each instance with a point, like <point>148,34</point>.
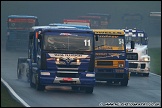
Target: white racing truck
<point>139,60</point>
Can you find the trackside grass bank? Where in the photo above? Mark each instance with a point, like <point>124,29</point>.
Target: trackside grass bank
<point>6,98</point>
<point>155,64</point>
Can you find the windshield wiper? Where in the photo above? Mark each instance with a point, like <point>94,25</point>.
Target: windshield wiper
<point>60,48</point>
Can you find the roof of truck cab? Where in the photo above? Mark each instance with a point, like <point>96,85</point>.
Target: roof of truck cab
<point>21,16</point>
<point>59,28</point>
<point>134,30</point>
<point>109,31</point>
<point>70,25</point>
<point>51,27</point>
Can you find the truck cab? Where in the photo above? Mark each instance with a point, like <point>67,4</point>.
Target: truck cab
<point>59,56</point>
<point>139,60</point>
<point>111,64</point>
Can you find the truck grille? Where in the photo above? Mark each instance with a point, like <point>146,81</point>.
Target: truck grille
<point>70,75</point>
<point>104,70</point>
<point>143,66</point>
<point>133,65</point>
<point>102,76</point>
<point>104,63</point>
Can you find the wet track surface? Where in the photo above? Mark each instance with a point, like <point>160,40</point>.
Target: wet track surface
<point>139,89</point>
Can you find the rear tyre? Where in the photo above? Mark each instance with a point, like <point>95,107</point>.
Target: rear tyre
<point>19,71</point>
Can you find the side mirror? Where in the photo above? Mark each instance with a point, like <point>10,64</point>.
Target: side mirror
<point>132,44</point>
<point>96,37</point>
<point>39,36</point>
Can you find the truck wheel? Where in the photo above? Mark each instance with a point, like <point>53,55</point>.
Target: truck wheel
<point>39,87</point>
<point>89,90</point>
<point>31,83</point>
<point>146,74</point>
<point>27,72</point>
<point>124,82</point>
<point>19,71</point>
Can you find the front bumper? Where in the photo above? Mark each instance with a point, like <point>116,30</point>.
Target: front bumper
<point>54,80</point>
<point>139,67</point>
<point>105,74</point>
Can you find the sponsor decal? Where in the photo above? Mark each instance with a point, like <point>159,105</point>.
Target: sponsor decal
<point>109,54</point>
<point>57,55</point>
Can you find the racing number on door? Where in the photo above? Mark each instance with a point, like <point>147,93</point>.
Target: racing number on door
<point>87,42</point>
<point>121,41</point>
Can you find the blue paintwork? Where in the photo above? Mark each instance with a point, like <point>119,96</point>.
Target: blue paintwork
<point>70,25</point>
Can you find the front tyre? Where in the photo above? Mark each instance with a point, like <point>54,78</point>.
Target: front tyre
<point>39,87</point>
<point>31,79</point>
<point>89,90</point>
<point>145,74</point>
<point>124,82</point>
<point>74,88</point>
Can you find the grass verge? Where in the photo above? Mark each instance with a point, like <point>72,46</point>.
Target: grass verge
<point>155,64</point>
<point>7,100</point>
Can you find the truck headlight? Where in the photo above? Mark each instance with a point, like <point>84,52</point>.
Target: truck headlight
<point>45,73</point>
<point>146,59</point>
<point>120,65</point>
<point>90,75</point>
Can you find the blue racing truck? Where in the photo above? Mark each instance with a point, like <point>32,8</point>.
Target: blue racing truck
<point>111,64</point>
<point>18,27</point>
<point>59,56</point>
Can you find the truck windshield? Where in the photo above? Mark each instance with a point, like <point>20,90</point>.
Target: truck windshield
<point>110,43</point>
<point>138,40</point>
<point>82,42</point>
<point>21,23</point>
